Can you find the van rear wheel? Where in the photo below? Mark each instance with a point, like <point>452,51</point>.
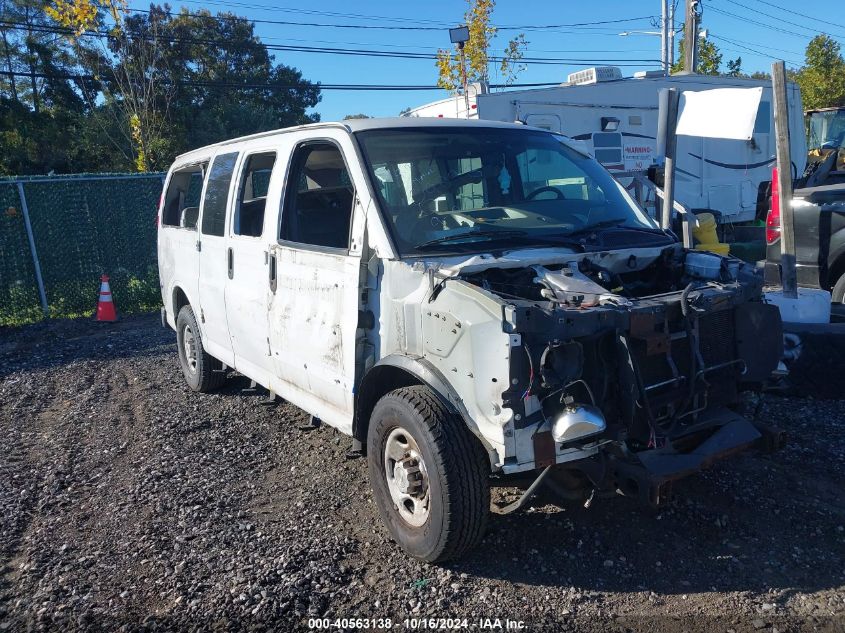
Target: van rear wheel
<point>429,475</point>
<point>837,294</point>
<point>202,371</point>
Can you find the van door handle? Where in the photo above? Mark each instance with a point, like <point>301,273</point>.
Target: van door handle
<point>272,272</point>
<point>230,256</point>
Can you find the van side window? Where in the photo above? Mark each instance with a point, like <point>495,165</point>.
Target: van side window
<point>252,194</point>
<point>319,197</point>
<point>182,200</point>
<point>217,194</point>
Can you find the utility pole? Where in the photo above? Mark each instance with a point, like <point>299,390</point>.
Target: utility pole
<point>693,14</point>
<point>664,35</point>
<point>669,102</point>
<point>671,35</point>
<point>784,163</point>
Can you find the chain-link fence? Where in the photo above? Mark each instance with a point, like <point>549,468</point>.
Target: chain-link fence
<point>59,234</point>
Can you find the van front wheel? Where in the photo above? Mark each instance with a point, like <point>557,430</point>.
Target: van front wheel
<point>428,474</point>
<point>202,371</point>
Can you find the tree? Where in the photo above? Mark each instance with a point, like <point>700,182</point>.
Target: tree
<point>709,59</point>
<point>227,83</point>
<point>735,67</point>
<point>822,78</point>
<point>83,15</point>
<point>350,117</point>
<point>166,83</point>
<point>40,101</point>
<point>92,88</point>
<point>450,68</point>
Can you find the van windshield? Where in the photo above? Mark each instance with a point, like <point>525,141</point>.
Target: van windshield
<point>462,188</point>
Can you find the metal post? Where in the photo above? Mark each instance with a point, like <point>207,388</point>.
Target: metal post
<point>671,125</point>
<point>35,261</point>
<point>784,163</point>
<point>464,77</point>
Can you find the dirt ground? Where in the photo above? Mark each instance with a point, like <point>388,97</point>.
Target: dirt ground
<point>128,502</point>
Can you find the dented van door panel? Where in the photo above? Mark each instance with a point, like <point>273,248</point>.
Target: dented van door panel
<point>312,328</point>
<point>313,311</point>
<point>248,290</point>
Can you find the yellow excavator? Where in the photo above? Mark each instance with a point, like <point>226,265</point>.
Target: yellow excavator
<point>826,145</point>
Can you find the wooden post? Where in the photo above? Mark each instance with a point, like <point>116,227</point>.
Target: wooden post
<point>671,143</point>
<point>784,163</point>
<point>664,36</point>
<point>690,35</point>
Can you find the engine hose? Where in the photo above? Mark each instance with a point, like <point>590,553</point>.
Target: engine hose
<point>685,299</point>
<point>791,347</point>
<point>693,345</point>
<point>638,379</point>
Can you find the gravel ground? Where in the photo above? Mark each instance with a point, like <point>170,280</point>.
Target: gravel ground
<point>128,502</point>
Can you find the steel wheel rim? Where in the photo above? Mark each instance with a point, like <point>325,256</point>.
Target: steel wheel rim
<point>407,477</point>
<point>189,346</point>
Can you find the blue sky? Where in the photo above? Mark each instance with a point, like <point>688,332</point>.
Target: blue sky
<point>758,31</point>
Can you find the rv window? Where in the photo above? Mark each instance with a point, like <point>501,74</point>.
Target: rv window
<point>182,200</point>
<point>252,194</point>
<point>635,119</point>
<point>763,122</point>
<point>607,148</point>
<point>217,194</point>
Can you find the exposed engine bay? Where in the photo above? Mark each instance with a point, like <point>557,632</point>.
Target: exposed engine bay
<point>645,354</point>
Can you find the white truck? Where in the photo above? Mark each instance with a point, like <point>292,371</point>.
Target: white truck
<point>616,119</point>
<point>464,299</point>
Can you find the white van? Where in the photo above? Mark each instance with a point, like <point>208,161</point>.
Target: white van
<point>464,299</point>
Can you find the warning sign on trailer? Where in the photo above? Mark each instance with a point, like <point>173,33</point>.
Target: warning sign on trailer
<point>638,153</point>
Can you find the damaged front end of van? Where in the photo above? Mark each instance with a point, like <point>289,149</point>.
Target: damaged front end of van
<point>599,371</point>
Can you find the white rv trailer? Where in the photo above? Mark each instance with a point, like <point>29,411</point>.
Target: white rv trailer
<point>616,119</point>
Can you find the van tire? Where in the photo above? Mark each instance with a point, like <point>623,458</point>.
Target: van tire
<point>837,294</point>
<point>456,468</point>
<point>199,371</point>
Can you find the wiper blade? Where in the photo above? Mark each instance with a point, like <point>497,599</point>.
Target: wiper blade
<point>457,237</point>
<point>614,223</point>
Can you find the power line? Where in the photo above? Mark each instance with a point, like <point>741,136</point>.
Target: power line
<point>803,15</point>
<point>418,46</point>
<point>763,24</point>
<point>541,27</point>
<point>773,17</point>
<point>336,51</point>
<point>749,49</point>
<point>272,86</point>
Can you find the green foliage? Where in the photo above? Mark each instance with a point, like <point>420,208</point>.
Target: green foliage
<point>350,117</point>
<point>82,228</point>
<point>822,78</point>
<point>735,67</point>
<point>136,99</point>
<point>709,59</point>
<point>476,52</point>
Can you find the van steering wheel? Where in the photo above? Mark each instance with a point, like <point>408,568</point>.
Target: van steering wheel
<point>558,193</point>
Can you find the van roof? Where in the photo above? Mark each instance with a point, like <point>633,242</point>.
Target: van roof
<point>356,125</point>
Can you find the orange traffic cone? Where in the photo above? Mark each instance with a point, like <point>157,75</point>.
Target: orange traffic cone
<point>105,306</point>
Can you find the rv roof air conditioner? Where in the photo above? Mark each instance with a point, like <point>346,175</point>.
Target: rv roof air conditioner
<point>649,74</point>
<point>594,75</point>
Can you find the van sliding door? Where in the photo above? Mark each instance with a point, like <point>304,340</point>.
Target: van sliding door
<point>214,259</point>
